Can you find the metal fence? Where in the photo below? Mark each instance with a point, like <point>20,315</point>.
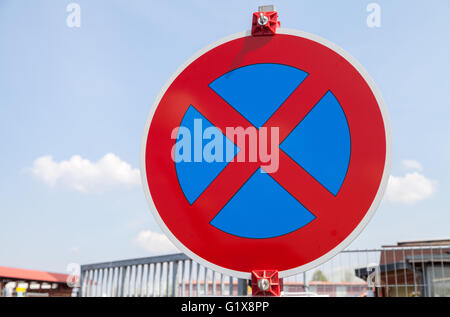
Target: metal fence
<point>168,275</point>
<point>385,272</point>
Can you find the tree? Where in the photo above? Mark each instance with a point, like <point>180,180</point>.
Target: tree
<point>318,276</point>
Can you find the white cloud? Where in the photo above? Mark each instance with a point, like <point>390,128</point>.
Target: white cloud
<point>85,176</point>
<point>154,243</point>
<point>412,165</point>
<point>410,188</point>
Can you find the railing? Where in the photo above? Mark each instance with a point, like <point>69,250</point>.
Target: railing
<point>168,275</point>
<point>393,272</point>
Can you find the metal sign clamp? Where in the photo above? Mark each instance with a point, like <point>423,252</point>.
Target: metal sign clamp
<point>266,283</point>
<point>265,21</point>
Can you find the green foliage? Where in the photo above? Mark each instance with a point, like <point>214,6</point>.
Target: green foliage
<point>318,276</point>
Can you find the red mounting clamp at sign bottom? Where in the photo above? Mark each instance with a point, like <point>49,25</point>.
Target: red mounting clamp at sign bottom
<point>265,21</point>
<point>266,283</point>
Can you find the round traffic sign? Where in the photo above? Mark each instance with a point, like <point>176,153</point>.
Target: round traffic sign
<point>290,203</point>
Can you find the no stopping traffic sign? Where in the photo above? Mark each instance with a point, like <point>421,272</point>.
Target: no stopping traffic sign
<point>333,156</point>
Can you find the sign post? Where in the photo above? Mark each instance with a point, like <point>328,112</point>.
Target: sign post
<point>266,153</point>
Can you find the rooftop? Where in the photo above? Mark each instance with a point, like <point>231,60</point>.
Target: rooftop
<point>419,243</point>
<point>32,275</point>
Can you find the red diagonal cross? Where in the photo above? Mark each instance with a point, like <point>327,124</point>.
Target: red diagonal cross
<point>290,175</point>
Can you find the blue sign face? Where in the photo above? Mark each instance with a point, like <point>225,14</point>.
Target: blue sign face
<point>262,207</point>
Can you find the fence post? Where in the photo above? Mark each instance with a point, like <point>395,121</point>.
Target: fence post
<point>80,293</point>
<point>197,286</point>
<point>242,287</point>
<point>174,277</point>
<point>122,280</point>
<point>191,266</point>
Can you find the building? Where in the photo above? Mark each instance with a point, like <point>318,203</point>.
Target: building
<point>413,268</point>
<point>32,283</point>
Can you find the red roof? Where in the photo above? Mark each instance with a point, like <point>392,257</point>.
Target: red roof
<point>32,275</point>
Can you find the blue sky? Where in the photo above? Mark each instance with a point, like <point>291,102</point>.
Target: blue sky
<point>86,92</point>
